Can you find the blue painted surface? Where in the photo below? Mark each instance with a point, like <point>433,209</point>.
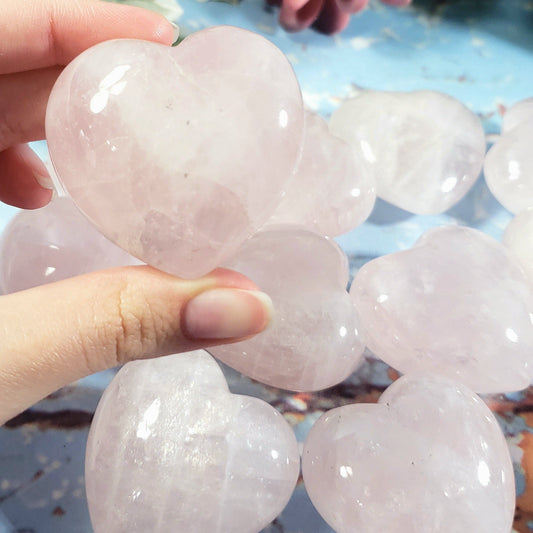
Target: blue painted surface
<point>481,52</point>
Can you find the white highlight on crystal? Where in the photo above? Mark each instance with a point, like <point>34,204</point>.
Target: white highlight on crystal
<point>483,473</point>
<point>448,184</point>
<point>510,333</point>
<point>283,118</point>
<point>345,471</point>
<point>144,429</point>
<point>514,170</point>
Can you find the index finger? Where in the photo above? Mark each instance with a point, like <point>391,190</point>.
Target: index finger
<point>41,33</point>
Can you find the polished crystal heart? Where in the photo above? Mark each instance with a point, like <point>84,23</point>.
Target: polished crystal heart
<point>518,237</point>
<point>314,340</point>
<point>508,166</point>
<point>332,191</point>
<point>517,114</point>
<point>458,304</point>
<point>171,449</point>
<point>424,148</point>
<point>428,458</point>
<point>53,243</point>
<point>177,154</point>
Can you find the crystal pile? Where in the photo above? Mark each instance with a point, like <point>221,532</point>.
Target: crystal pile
<point>457,304</point>
<point>429,458</point>
<point>314,340</point>
<point>184,184</point>
<point>202,156</point>
<point>508,164</point>
<point>184,454</point>
<point>51,244</point>
<point>332,191</point>
<point>424,148</point>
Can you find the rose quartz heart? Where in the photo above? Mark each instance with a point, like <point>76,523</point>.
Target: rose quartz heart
<point>424,148</point>
<point>508,166</point>
<point>171,449</point>
<point>518,237</point>
<point>428,458</point>
<point>314,340</point>
<point>51,244</point>
<point>177,154</point>
<point>458,304</point>
<point>332,191</point>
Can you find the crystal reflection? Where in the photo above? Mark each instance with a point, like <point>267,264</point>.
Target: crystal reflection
<point>111,84</point>
<point>144,429</point>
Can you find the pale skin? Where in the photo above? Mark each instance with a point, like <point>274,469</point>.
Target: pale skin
<point>58,333</point>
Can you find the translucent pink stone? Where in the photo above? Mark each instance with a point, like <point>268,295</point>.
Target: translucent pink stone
<point>424,148</point>
<point>518,237</point>
<point>519,113</point>
<point>164,149</point>
<point>332,191</point>
<point>314,340</point>
<point>51,244</point>
<point>428,458</point>
<point>509,167</point>
<point>457,304</point>
<point>171,449</point>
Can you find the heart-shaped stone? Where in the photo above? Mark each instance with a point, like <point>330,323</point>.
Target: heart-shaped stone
<point>425,148</point>
<point>314,340</point>
<point>508,166</point>
<point>457,304</point>
<point>51,244</point>
<point>428,458</point>
<point>177,154</point>
<point>518,237</point>
<point>171,449</point>
<point>332,191</point>
<point>517,114</point>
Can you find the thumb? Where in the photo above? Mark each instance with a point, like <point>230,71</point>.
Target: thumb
<point>58,333</point>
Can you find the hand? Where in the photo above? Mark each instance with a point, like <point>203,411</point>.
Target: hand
<point>58,333</point>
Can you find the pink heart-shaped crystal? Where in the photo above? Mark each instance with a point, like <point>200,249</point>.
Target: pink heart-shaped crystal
<point>332,191</point>
<point>314,340</point>
<point>177,154</point>
<point>171,449</point>
<point>424,148</point>
<point>53,243</point>
<point>457,304</point>
<point>429,458</point>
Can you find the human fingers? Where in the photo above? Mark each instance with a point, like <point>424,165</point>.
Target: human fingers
<point>58,333</point>
<point>41,33</point>
<point>22,111</point>
<point>22,176</point>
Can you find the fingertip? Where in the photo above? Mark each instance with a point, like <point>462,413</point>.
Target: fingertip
<point>139,23</point>
<point>22,176</point>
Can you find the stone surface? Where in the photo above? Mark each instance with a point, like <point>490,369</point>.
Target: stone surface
<point>519,113</point>
<point>332,191</point>
<point>51,244</point>
<point>314,340</point>
<point>177,154</point>
<point>428,458</point>
<point>457,303</point>
<point>424,148</point>
<point>518,237</point>
<point>170,449</point>
<point>508,167</point>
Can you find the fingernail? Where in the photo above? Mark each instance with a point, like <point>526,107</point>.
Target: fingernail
<point>176,29</point>
<point>227,314</point>
<point>44,180</point>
